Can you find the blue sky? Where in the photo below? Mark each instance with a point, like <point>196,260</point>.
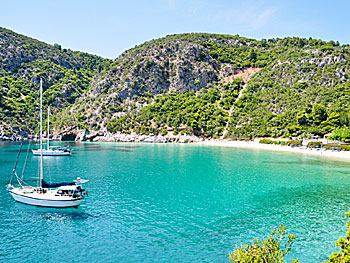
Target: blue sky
<point>107,28</point>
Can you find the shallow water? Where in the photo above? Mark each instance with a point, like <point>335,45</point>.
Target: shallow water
<point>175,203</point>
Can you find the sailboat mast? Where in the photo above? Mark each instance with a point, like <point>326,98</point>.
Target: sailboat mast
<point>41,132</point>
<point>48,128</point>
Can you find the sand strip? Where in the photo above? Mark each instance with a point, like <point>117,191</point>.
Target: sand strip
<point>272,147</point>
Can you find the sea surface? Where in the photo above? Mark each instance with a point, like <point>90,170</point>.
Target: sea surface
<point>174,203</point>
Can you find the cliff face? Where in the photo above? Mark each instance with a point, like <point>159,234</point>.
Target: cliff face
<point>177,63</point>
<point>179,66</point>
<point>203,84</point>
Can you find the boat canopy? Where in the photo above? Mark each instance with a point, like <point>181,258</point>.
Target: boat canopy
<point>55,185</point>
<point>80,181</point>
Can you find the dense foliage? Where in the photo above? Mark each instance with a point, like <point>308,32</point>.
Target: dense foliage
<point>341,134</point>
<point>203,84</point>
<point>288,143</point>
<point>202,113</point>
<point>272,250</point>
<point>301,87</point>
<point>343,255</point>
<point>276,246</point>
<point>66,75</point>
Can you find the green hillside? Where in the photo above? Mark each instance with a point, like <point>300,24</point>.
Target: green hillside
<point>191,83</point>
<point>208,85</point>
<point>66,75</point>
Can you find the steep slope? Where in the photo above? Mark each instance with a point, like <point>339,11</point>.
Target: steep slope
<point>203,84</point>
<point>66,75</point>
<point>300,87</point>
<point>304,92</point>
<point>176,63</point>
<point>179,63</point>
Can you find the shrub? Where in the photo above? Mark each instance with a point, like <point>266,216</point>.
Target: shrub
<point>341,134</point>
<point>295,142</point>
<point>266,141</point>
<point>273,249</point>
<point>344,244</point>
<point>342,147</point>
<point>314,144</point>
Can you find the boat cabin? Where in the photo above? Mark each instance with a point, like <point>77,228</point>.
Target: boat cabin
<point>72,191</point>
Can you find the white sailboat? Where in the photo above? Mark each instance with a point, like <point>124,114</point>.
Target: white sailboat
<point>59,195</point>
<point>50,150</point>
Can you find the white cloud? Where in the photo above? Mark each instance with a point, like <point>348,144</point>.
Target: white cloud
<point>254,19</point>
<point>262,18</point>
<point>172,4</point>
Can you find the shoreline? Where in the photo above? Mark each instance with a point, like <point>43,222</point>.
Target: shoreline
<point>255,145</point>
<point>190,139</point>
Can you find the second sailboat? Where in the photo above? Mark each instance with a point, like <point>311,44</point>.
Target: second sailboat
<point>52,150</point>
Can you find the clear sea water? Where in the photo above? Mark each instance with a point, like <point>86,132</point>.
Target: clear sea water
<point>175,203</point>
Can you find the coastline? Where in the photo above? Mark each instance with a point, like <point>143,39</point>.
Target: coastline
<point>255,145</point>
<point>191,139</point>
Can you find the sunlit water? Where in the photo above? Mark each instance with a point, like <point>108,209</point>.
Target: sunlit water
<point>175,203</point>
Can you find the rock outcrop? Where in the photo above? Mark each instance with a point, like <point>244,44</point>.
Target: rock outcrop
<point>69,134</point>
<point>104,136</point>
<point>120,137</point>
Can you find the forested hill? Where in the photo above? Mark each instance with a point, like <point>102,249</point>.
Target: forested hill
<point>66,75</point>
<point>203,84</point>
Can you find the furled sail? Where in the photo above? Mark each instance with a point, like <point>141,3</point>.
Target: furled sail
<point>54,185</point>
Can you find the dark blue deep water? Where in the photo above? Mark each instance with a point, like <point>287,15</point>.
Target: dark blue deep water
<point>175,203</point>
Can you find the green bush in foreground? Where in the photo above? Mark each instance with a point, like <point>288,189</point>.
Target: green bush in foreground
<point>344,244</point>
<point>278,245</point>
<point>271,250</point>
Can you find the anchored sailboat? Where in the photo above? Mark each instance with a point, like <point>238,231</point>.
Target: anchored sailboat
<point>51,151</point>
<point>48,195</point>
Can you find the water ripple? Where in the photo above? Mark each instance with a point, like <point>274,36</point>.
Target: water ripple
<point>178,203</point>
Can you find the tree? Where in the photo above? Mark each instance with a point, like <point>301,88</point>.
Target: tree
<point>57,46</point>
<point>252,55</point>
<point>293,130</point>
<point>302,118</point>
<point>1,98</point>
<point>319,113</point>
<point>343,255</point>
<point>332,121</point>
<point>271,250</point>
<point>341,134</point>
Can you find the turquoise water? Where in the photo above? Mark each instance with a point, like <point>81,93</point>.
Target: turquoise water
<point>175,203</point>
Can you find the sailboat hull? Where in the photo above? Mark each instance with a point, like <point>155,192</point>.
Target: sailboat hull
<point>32,199</point>
<point>51,153</point>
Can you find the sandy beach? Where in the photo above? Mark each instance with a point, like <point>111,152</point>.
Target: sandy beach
<point>272,147</point>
